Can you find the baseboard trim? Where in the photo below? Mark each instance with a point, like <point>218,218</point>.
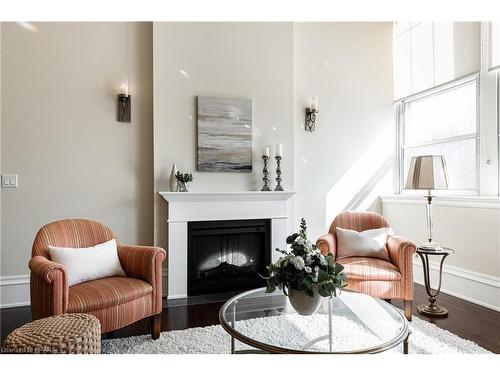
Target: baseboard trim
<point>176,296</point>
<point>14,291</point>
<point>471,286</point>
<point>475,287</point>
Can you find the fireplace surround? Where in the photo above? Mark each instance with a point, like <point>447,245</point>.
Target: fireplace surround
<point>185,208</point>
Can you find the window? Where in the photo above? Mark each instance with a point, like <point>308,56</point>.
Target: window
<point>443,122</point>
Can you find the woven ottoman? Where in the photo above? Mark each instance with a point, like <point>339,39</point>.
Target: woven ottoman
<point>66,333</point>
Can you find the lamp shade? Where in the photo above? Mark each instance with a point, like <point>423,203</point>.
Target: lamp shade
<point>427,172</point>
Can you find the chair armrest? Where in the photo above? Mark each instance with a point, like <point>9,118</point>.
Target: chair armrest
<point>45,269</point>
<point>327,243</point>
<point>49,287</point>
<point>141,262</point>
<point>401,252</point>
<point>144,262</point>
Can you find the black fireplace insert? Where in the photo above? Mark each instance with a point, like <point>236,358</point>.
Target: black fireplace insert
<point>225,256</point>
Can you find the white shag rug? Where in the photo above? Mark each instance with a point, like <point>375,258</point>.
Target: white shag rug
<point>426,338</point>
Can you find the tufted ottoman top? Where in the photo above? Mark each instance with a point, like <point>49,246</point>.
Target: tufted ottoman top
<point>66,333</point>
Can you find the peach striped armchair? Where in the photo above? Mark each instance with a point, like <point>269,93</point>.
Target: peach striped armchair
<point>373,276</point>
<point>115,301</point>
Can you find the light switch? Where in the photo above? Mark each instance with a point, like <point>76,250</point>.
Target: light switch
<point>9,181</point>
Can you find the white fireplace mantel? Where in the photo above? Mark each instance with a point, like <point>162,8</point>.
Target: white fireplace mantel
<point>184,207</point>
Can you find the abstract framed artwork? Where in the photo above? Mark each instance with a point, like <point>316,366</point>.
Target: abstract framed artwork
<point>224,134</point>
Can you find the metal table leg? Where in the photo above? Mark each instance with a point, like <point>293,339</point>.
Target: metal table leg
<point>405,343</point>
<point>431,308</point>
<point>233,324</point>
<point>328,337</point>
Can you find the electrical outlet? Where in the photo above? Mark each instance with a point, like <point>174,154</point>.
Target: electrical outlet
<point>9,181</point>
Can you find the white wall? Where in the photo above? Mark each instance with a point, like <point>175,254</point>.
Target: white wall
<point>470,227</point>
<point>60,134</point>
<point>428,54</point>
<point>251,60</point>
<point>347,161</point>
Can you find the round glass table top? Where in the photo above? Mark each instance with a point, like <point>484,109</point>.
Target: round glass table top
<point>438,251</point>
<point>353,323</point>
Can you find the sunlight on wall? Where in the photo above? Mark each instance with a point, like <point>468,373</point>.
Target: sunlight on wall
<point>495,44</point>
<point>28,26</point>
<point>444,52</point>
<point>370,176</point>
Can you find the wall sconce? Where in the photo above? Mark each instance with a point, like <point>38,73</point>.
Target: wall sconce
<point>311,110</point>
<point>124,103</point>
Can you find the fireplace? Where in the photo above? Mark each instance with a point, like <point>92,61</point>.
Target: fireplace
<point>225,256</point>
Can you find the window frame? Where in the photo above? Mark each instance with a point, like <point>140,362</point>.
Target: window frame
<point>400,131</point>
<point>498,131</point>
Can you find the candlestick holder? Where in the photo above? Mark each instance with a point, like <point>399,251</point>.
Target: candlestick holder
<point>124,105</point>
<point>278,174</point>
<point>266,178</point>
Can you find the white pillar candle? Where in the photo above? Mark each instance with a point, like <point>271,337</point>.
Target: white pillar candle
<point>266,151</point>
<point>124,88</point>
<point>309,102</point>
<point>315,103</point>
<point>279,150</point>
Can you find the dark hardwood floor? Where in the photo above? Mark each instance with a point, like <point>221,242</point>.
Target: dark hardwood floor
<point>467,320</point>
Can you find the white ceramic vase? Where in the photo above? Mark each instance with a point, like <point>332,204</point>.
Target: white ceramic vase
<point>173,179</point>
<point>304,304</point>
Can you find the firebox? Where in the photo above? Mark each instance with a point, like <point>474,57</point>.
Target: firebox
<point>225,256</point>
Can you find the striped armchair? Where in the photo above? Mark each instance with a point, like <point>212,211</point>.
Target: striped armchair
<point>115,301</point>
<point>373,276</point>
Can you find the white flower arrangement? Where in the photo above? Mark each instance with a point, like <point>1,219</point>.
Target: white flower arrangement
<point>304,267</point>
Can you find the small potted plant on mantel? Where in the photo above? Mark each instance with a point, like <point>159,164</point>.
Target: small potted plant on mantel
<point>304,274</point>
<point>182,181</point>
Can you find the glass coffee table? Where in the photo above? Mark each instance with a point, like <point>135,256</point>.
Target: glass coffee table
<point>349,323</point>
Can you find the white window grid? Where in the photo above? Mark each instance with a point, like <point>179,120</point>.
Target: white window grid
<point>400,122</point>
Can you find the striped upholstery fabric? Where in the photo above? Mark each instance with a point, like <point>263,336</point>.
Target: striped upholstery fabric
<point>115,301</point>
<point>49,288</point>
<point>373,276</point>
<point>107,292</point>
<point>70,233</point>
<point>381,288</point>
<point>144,263</point>
<point>361,268</point>
<point>358,221</point>
<point>119,316</point>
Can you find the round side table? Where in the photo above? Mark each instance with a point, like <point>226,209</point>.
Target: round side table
<point>431,308</point>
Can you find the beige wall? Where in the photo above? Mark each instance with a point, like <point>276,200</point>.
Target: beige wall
<point>472,232</point>
<point>60,134</point>
<point>251,60</point>
<point>346,163</point>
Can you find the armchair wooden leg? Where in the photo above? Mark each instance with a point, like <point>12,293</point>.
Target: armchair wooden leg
<point>407,307</point>
<point>155,326</point>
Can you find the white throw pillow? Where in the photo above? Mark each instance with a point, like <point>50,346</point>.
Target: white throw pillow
<point>369,243</point>
<point>88,263</point>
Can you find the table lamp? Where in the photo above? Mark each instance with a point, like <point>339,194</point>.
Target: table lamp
<point>428,172</point>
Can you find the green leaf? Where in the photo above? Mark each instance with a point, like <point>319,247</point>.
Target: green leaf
<point>270,288</point>
<point>338,268</point>
<point>323,276</point>
<point>323,290</point>
<point>291,239</point>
